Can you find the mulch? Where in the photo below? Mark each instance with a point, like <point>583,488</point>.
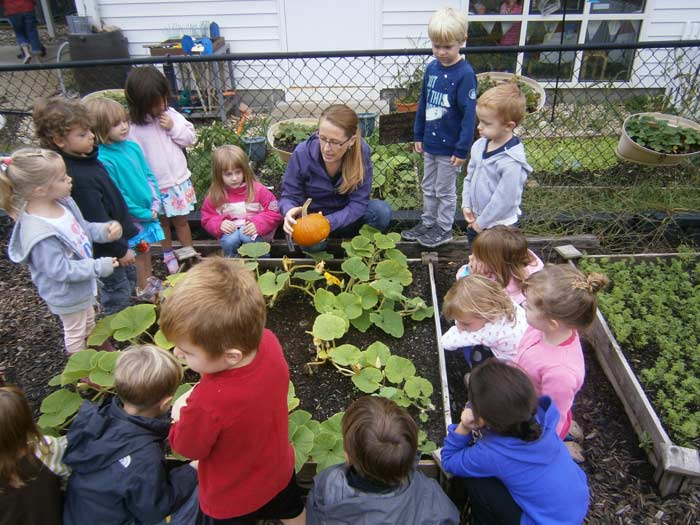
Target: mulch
<point>620,478</point>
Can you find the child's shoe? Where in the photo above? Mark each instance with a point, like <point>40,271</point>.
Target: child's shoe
<point>171,262</point>
<point>575,432</point>
<point>415,232</point>
<point>575,450</point>
<point>435,237</point>
<point>150,292</point>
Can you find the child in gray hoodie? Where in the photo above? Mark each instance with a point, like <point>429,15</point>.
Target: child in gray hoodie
<point>379,484</point>
<point>53,239</point>
<point>497,168</point>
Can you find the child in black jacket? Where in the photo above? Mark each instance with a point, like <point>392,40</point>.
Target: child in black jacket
<point>64,126</point>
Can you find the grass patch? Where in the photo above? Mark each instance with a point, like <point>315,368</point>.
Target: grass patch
<point>573,154</point>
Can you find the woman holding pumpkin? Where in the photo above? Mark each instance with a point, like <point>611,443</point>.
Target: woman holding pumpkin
<point>333,168</point>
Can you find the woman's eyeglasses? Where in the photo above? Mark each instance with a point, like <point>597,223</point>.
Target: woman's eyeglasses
<point>332,143</point>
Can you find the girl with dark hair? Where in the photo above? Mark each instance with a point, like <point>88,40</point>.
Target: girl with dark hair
<point>162,134</point>
<point>333,167</point>
<point>30,465</point>
<point>518,470</point>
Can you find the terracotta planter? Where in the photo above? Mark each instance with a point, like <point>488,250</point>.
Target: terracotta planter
<point>406,107</point>
<point>629,151</point>
<point>285,155</point>
<point>500,78</point>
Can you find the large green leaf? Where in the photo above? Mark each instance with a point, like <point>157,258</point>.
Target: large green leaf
<point>298,418</point>
<point>79,365</point>
<point>254,250</point>
<point>350,303</point>
<point>303,442</point>
<point>417,387</point>
<point>356,269</point>
<point>394,270</point>
<point>102,331</point>
<point>292,399</point>
<point>162,341</point>
<point>389,289</point>
<point>58,406</point>
<point>384,242</point>
<point>271,283</point>
<point>334,424</point>
<point>362,323</point>
<point>368,380</point>
<point>102,378</point>
<point>107,361</point>
<point>345,355</point>
<point>399,368</point>
<point>182,389</point>
<point>368,295</point>
<point>133,321</point>
<point>309,275</point>
<point>377,354</point>
<point>324,301</point>
<point>327,450</point>
<point>389,321</point>
<point>328,327</point>
<point>396,255</point>
<point>396,395</point>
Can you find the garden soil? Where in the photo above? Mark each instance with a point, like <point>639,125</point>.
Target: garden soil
<point>620,479</point>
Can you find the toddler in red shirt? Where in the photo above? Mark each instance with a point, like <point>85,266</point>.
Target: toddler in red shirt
<point>234,421</point>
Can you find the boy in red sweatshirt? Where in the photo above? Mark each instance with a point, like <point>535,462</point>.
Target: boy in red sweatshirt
<point>234,422</point>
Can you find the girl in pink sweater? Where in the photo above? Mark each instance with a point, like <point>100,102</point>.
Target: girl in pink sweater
<point>162,134</point>
<point>238,209</point>
<point>501,254</point>
<point>560,301</point>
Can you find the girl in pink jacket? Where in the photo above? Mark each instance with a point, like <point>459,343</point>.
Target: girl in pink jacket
<point>560,301</point>
<point>238,209</point>
<point>162,134</point>
<point>501,254</point>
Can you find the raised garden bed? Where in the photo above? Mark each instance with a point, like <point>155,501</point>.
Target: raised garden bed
<point>652,308</point>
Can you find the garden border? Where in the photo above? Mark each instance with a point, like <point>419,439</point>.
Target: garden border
<point>676,467</point>
<point>428,259</point>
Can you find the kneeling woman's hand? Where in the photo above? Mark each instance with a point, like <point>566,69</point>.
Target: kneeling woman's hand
<point>290,219</point>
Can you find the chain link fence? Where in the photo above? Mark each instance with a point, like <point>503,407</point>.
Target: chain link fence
<point>578,184</point>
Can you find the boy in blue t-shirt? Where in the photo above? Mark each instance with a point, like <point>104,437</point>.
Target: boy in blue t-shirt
<point>444,127</point>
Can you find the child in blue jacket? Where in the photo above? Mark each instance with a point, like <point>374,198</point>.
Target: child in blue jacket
<point>117,451</point>
<point>518,470</point>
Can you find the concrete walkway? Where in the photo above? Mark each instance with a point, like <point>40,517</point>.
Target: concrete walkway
<point>8,55</point>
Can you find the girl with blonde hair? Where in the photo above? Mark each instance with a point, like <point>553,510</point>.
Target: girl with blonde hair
<point>488,323</point>
<point>238,209</point>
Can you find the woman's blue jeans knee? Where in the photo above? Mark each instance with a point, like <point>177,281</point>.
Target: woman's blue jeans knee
<point>232,241</point>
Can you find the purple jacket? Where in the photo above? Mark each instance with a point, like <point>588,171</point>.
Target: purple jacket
<point>306,177</point>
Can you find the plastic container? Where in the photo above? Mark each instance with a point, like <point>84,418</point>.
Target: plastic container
<point>78,25</point>
<point>255,147</point>
<point>366,122</point>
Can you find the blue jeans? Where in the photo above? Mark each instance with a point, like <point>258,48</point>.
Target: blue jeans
<point>117,289</point>
<point>24,26</point>
<point>232,241</point>
<point>187,513</point>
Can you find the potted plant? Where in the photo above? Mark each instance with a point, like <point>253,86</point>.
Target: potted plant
<point>283,136</point>
<point>533,90</point>
<point>113,94</point>
<point>658,139</point>
<point>408,87</point>
<point>252,130</point>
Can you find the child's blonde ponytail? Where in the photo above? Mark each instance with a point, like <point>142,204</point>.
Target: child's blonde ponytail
<point>20,174</point>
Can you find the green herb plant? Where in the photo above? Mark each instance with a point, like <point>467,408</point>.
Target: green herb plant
<point>659,135</point>
<point>396,173</point>
<point>289,134</point>
<point>208,138</point>
<point>532,97</point>
<point>654,311</point>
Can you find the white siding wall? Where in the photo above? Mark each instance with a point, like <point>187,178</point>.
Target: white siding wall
<point>247,25</point>
<point>673,20</point>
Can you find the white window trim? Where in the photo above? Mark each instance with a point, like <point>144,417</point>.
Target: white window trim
<point>583,18</point>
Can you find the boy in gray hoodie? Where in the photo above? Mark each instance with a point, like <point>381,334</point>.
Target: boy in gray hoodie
<point>497,169</point>
<point>379,484</point>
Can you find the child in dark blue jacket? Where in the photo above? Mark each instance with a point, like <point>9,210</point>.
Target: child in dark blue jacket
<point>117,451</point>
<point>518,470</point>
<point>63,125</point>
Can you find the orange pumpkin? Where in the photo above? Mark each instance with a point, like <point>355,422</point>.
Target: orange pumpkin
<point>311,228</point>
